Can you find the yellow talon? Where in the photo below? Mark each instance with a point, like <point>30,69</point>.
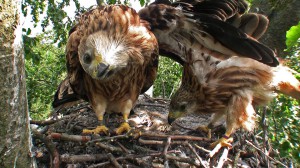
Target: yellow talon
<point>97,130</point>
<point>124,127</point>
<point>223,142</point>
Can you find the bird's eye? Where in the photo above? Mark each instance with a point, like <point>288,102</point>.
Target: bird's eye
<point>87,58</point>
<point>182,107</point>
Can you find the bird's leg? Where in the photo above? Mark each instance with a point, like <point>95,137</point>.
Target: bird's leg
<point>101,128</point>
<point>125,127</point>
<point>215,118</point>
<point>226,140</point>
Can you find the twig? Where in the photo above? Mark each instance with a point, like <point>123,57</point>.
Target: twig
<point>201,148</point>
<point>66,137</point>
<point>223,158</point>
<point>109,148</point>
<point>101,139</point>
<point>176,137</point>
<point>183,159</point>
<point>151,104</point>
<point>167,145</point>
<point>265,135</point>
<point>236,158</point>
<point>52,121</point>
<point>113,160</point>
<point>248,142</point>
<point>157,142</point>
<point>196,154</point>
<point>55,157</point>
<point>83,158</point>
<point>125,150</point>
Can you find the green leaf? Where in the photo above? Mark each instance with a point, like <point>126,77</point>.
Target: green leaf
<point>28,31</point>
<point>292,36</point>
<point>142,2</point>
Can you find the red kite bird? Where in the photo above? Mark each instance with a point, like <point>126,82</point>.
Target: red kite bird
<point>229,90</point>
<point>112,53</point>
<point>112,57</point>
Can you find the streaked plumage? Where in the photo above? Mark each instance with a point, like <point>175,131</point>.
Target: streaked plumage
<point>229,89</point>
<point>216,27</point>
<point>112,57</point>
<point>112,53</point>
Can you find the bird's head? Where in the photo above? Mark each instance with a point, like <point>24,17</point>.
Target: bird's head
<point>101,57</point>
<point>111,38</point>
<point>182,103</point>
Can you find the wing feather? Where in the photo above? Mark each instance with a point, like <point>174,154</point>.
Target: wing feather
<point>209,24</point>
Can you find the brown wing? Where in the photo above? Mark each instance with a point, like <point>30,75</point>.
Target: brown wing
<point>207,24</point>
<point>71,88</point>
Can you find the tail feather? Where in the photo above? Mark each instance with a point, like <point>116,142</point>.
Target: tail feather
<point>285,82</point>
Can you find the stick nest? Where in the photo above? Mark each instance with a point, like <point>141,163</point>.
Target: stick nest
<point>152,142</point>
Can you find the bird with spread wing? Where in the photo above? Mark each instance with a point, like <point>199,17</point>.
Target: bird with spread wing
<point>213,39</point>
<point>229,90</point>
<point>112,57</point>
<point>112,53</point>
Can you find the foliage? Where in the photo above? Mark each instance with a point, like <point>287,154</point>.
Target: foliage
<point>284,116</point>
<point>45,68</point>
<point>284,112</point>
<point>293,36</point>
<point>168,78</point>
<point>55,16</point>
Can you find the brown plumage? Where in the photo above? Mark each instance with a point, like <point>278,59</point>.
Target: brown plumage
<point>219,28</point>
<point>229,89</point>
<point>112,57</point>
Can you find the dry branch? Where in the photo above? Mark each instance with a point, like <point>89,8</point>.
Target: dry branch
<point>276,161</point>
<point>66,137</point>
<point>83,158</point>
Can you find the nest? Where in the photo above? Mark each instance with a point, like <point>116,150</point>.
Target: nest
<point>152,142</point>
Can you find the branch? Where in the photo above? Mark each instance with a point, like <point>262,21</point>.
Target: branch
<point>197,156</point>
<point>223,158</point>
<point>248,142</point>
<point>177,137</point>
<point>55,157</point>
<point>83,158</point>
<point>114,161</point>
<point>52,121</point>
<point>66,137</point>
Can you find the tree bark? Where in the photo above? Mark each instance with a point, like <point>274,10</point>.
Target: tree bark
<point>282,15</point>
<point>15,139</point>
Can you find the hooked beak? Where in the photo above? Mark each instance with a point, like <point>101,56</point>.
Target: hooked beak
<point>173,116</point>
<point>102,69</point>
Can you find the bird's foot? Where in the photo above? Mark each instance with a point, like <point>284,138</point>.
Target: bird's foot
<point>205,129</point>
<point>97,130</point>
<point>124,127</point>
<point>223,142</point>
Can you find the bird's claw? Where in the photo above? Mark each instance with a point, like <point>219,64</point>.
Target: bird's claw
<point>223,142</point>
<point>205,129</point>
<point>97,130</point>
<point>124,127</point>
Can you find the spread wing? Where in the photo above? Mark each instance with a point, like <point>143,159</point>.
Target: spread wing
<point>217,27</point>
<point>229,90</point>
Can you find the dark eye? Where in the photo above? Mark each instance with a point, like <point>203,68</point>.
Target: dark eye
<point>87,58</point>
<point>182,107</point>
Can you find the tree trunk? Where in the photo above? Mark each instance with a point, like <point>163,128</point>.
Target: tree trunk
<point>282,15</point>
<point>15,139</point>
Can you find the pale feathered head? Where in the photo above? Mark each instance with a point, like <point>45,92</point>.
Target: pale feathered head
<point>112,38</point>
